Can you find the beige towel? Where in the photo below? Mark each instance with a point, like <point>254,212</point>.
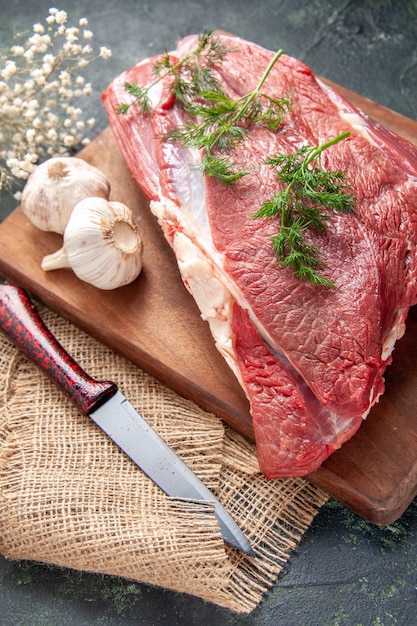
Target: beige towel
<point>71,498</point>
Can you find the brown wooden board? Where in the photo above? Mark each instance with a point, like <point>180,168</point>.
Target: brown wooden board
<point>155,323</point>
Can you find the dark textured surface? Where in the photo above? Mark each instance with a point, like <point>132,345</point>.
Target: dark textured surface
<point>345,571</point>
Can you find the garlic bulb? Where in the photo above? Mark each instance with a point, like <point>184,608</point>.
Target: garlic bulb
<point>101,244</point>
<point>56,186</point>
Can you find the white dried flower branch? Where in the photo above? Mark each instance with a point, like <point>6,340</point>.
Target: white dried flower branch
<point>40,81</point>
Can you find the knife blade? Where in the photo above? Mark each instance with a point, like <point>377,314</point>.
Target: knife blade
<point>109,409</point>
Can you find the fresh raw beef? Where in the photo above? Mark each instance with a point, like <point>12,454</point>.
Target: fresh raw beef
<point>310,359</point>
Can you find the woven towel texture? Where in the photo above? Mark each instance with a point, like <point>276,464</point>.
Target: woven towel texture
<point>69,497</point>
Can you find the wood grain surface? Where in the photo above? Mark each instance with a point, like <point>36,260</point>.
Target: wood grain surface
<point>155,323</point>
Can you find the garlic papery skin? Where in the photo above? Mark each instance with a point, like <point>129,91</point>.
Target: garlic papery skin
<point>101,244</point>
<point>56,186</point>
<point>55,260</point>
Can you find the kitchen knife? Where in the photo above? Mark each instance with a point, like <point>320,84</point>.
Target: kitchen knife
<point>109,409</point>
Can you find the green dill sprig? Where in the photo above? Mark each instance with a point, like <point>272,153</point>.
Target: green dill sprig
<point>310,196</point>
<point>196,72</point>
<point>219,122</point>
<point>191,75</point>
<point>222,122</point>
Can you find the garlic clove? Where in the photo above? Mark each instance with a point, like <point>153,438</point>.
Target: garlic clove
<point>56,260</point>
<point>56,186</point>
<point>101,244</point>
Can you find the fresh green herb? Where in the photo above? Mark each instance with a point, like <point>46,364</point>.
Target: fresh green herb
<point>191,75</point>
<point>221,122</point>
<point>309,197</point>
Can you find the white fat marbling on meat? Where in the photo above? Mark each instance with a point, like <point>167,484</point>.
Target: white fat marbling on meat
<point>155,94</point>
<point>211,295</point>
<point>351,116</point>
<point>396,332</point>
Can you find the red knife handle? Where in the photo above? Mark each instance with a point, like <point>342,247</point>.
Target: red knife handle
<point>22,323</point>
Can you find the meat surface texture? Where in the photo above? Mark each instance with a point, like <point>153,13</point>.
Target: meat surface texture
<point>310,359</point>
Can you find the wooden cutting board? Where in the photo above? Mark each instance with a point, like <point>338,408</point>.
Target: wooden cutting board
<point>155,323</point>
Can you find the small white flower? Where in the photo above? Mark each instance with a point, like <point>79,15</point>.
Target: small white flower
<point>105,53</point>
<point>74,111</point>
<point>17,51</point>
<point>36,41</point>
<point>52,134</point>
<point>68,141</point>
<point>30,134</point>
<point>72,49</point>
<point>53,119</point>
<point>9,70</point>
<point>71,34</point>
<point>38,28</point>
<point>61,17</point>
<point>49,58</point>
<point>83,22</point>
<point>65,78</point>
<point>87,34</point>
<point>38,76</point>
<point>33,103</point>
<point>17,89</point>
<point>29,84</point>
<point>65,93</point>
<point>29,114</point>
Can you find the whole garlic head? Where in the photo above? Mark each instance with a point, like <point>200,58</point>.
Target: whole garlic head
<point>101,244</point>
<point>56,186</point>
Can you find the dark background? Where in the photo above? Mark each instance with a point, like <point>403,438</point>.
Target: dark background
<point>345,571</point>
